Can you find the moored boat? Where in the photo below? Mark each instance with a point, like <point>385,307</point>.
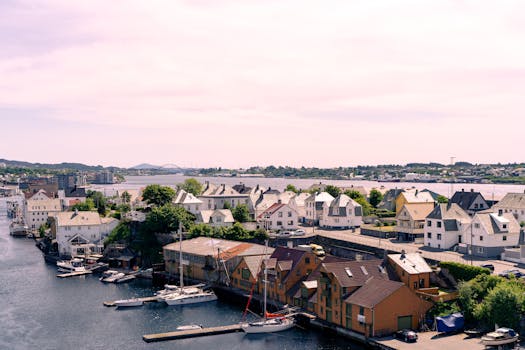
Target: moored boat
<point>500,336</point>
<point>129,302</point>
<point>111,276</point>
<point>73,265</point>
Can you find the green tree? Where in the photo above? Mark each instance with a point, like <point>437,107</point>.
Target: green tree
<point>442,199</point>
<point>200,230</point>
<point>99,200</point>
<point>125,197</point>
<point>359,198</point>
<point>291,188</point>
<point>167,219</point>
<point>158,195</point>
<point>120,234</point>
<point>88,205</point>
<point>334,191</point>
<point>241,213</point>
<point>503,306</point>
<point>375,198</point>
<point>191,186</point>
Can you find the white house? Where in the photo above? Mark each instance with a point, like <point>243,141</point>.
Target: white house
<point>297,203</point>
<point>216,218</point>
<point>314,207</point>
<point>80,233</point>
<point>38,209</point>
<point>343,212</point>
<point>443,226</point>
<point>513,203</point>
<point>219,197</point>
<point>188,201</point>
<point>490,233</point>
<point>279,216</point>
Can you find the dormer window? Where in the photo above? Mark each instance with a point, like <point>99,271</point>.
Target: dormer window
<point>504,226</point>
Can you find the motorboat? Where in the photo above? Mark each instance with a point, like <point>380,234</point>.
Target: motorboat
<point>18,229</point>
<point>129,302</point>
<point>125,278</point>
<point>191,295</point>
<point>500,336</point>
<point>112,276</point>
<point>171,289</point>
<point>189,327</point>
<point>73,265</point>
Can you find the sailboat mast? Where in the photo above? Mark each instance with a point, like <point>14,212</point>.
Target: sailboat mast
<point>181,267</point>
<point>265,281</point>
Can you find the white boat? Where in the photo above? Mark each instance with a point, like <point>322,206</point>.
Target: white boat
<point>500,336</point>
<point>187,295</point>
<point>129,302</point>
<point>73,265</point>
<point>189,327</point>
<point>125,278</point>
<point>270,322</point>
<point>113,277</point>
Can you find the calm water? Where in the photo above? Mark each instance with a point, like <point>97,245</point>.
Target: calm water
<point>490,191</point>
<point>40,311</point>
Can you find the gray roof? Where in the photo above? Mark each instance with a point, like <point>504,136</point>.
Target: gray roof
<point>412,263</point>
<point>448,211</point>
<point>490,222</point>
<point>373,292</point>
<point>512,200</point>
<point>339,204</point>
<point>465,199</point>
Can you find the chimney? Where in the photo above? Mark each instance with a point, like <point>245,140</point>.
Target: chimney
<point>279,201</point>
<point>471,190</point>
<point>462,190</point>
<point>403,256</point>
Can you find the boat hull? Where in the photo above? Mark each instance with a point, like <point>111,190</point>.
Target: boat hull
<point>186,299</point>
<point>495,342</point>
<point>128,303</point>
<point>266,327</point>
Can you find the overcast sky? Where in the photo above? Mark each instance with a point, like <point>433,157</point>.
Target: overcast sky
<point>236,83</point>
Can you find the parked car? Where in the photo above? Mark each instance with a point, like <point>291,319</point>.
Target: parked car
<point>298,233</point>
<point>406,335</point>
<point>284,234</point>
<point>508,273</point>
<point>488,266</point>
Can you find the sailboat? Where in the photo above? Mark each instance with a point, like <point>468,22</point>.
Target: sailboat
<point>270,322</point>
<point>186,295</point>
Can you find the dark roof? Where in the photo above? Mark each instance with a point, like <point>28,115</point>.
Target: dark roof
<point>374,291</point>
<point>289,256</point>
<point>389,199</point>
<point>356,273</point>
<point>75,192</point>
<point>271,191</point>
<point>465,199</point>
<point>451,225</point>
<point>242,189</point>
<point>327,259</point>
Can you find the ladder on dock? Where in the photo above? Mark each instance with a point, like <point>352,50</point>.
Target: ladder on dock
<point>193,333</point>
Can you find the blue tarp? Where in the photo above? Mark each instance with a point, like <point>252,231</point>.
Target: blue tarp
<point>450,323</point>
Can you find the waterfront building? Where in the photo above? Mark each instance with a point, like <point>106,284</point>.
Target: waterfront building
<point>413,197</point>
<point>411,269</point>
<point>80,233</point>
<point>342,213</point>
<point>411,221</point>
<point>216,218</point>
<point>513,203</point>
<point>287,267</point>
<point>38,209</point>
<point>314,207</point>
<point>187,201</point>
<point>471,202</point>
<point>279,216</point>
<point>444,225</point>
<point>489,233</point>
<point>245,274</point>
<point>209,259</point>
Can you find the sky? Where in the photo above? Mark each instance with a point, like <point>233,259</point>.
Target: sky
<point>239,83</point>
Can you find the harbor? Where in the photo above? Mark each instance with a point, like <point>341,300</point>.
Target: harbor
<point>38,305</point>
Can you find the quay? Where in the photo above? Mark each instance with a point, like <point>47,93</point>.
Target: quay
<point>152,299</point>
<point>193,333</point>
<point>72,274</point>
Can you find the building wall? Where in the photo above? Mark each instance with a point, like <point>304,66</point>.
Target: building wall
<point>283,219</point>
<point>217,202</point>
<point>92,233</point>
<point>239,279</point>
<point>409,279</point>
<point>448,238</point>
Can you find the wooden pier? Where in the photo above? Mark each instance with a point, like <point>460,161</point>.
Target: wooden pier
<point>152,299</point>
<point>72,274</point>
<point>193,333</point>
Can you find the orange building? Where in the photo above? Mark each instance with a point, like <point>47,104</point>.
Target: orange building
<point>412,269</point>
<point>244,276</point>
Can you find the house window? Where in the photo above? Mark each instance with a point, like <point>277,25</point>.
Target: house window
<point>307,260</point>
<point>280,214</point>
<point>429,234</point>
<point>415,285</point>
<point>476,206</point>
<point>504,225</point>
<point>480,238</point>
<point>439,224</point>
<point>429,223</point>
<point>459,239</point>
<point>504,238</point>
<point>480,249</point>
<point>245,274</point>
<point>289,214</point>
<point>439,236</point>
<point>476,225</point>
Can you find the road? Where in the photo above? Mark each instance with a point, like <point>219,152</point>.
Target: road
<point>391,244</point>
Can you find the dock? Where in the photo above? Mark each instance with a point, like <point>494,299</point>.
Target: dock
<point>192,333</point>
<point>144,300</point>
<point>72,274</point>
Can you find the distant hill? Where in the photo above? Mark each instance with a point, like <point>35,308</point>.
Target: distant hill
<point>59,166</point>
<point>145,166</point>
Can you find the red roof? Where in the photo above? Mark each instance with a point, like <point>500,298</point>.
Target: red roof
<point>271,210</point>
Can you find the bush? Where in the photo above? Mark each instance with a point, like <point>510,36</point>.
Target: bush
<point>462,272</point>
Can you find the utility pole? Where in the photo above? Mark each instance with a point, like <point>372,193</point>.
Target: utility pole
<point>451,178</point>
